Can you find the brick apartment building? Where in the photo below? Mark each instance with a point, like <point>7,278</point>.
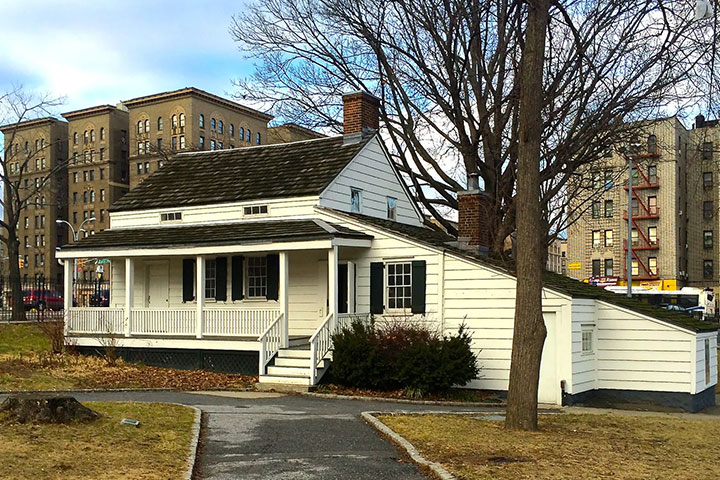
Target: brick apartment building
<point>101,152</point>
<point>674,209</point>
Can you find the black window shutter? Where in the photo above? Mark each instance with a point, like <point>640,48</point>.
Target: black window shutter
<point>237,277</point>
<point>188,281</point>
<point>273,276</point>
<point>376,287</point>
<point>418,286</point>
<point>221,278</point>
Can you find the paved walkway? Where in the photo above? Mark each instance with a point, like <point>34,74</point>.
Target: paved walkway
<point>272,436</point>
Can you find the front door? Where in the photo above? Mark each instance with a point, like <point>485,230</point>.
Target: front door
<point>157,284</point>
<point>549,386</point>
<point>342,293</point>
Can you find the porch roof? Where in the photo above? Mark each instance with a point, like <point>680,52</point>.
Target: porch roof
<point>215,235</point>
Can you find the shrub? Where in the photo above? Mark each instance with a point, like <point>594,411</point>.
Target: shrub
<point>402,356</point>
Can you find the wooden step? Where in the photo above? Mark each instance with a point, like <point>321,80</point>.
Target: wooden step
<point>288,371</point>
<point>294,353</point>
<point>270,379</point>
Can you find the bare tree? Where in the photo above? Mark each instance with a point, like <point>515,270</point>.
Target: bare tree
<point>450,78</point>
<point>23,185</point>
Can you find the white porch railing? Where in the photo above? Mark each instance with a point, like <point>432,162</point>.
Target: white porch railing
<point>270,342</point>
<point>232,322</point>
<point>162,321</point>
<point>346,319</point>
<point>321,341</point>
<point>96,320</point>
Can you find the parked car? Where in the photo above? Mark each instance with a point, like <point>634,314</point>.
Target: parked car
<point>42,300</point>
<point>101,298</point>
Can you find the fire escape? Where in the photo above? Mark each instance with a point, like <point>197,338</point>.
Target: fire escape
<point>643,216</point>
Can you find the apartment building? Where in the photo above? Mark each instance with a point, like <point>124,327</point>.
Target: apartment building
<point>290,132</point>
<point>557,256</point>
<point>98,171</point>
<point>185,120</point>
<point>36,156</point>
<point>674,209</point>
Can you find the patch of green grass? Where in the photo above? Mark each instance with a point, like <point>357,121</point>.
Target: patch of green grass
<point>567,447</point>
<point>21,339</point>
<point>103,449</point>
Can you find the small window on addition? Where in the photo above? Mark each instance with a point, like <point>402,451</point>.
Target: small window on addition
<point>587,340</point>
<point>256,210</point>
<point>391,208</point>
<point>171,217</point>
<point>355,200</point>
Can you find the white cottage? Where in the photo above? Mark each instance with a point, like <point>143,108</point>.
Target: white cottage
<point>248,259</point>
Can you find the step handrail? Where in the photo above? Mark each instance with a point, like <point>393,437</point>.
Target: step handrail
<point>320,344</point>
<point>270,343</point>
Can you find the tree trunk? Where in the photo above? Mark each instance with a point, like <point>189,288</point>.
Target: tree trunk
<point>529,331</point>
<point>15,284</point>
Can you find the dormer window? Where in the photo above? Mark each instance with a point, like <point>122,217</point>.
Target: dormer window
<point>355,200</point>
<point>256,210</point>
<point>391,208</point>
<point>171,217</point>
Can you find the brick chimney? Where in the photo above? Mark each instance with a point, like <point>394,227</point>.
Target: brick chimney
<point>474,212</point>
<point>360,113</point>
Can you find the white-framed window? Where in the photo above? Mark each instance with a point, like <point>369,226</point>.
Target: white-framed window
<point>182,142</point>
<point>355,200</point>
<point>174,121</point>
<point>256,277</point>
<point>391,208</point>
<point>399,286</point>
<point>256,210</point>
<point>171,217</point>
<point>588,346</point>
<point>182,120</point>
<point>210,278</point>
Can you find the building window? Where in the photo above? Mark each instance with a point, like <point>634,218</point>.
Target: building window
<point>92,135</point>
<point>652,175</point>
<point>248,135</point>
<point>355,200</point>
<point>242,134</point>
<point>220,126</point>
<point>182,120</point>
<point>173,143</point>
<point>634,237</point>
<point>708,210</point>
<point>159,144</point>
<point>75,217</point>
<point>147,167</point>
<point>608,208</point>
<point>202,143</point>
<point>596,210</point>
<point>210,278</point>
<point>399,285</point>
<point>140,148</point>
<point>139,127</point>
<point>587,340</point>
<point>608,238</point>
<point>147,125</point>
<point>635,207</point>
<point>102,215</point>
<point>212,144</point>
<point>102,154</point>
<point>635,269</point>
<point>219,145</point>
<point>708,269</point>
<point>707,151</point>
<point>232,130</point>
<point>608,267</point>
<point>257,138</point>
<point>652,144</point>
<point>608,179</point>
<point>256,210</point>
<point>75,140</point>
<point>257,277</point>
<point>595,176</point>
<point>85,138</point>
<point>391,208</point>
<point>102,194</point>
<point>160,124</point>
<point>213,125</point>
<point>708,239</point>
<point>652,235</point>
<point>596,239</point>
<point>201,121</point>
<point>171,217</point>
<point>102,133</point>
<point>652,205</point>
<point>707,180</point>
<point>652,265</point>
<point>182,142</point>
<point>139,167</point>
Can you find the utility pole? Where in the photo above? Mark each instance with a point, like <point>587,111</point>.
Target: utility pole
<point>629,232</point>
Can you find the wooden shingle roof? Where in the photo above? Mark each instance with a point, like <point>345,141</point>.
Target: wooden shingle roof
<point>251,173</point>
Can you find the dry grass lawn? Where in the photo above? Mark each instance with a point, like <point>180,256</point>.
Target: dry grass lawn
<point>101,450</point>
<point>567,447</point>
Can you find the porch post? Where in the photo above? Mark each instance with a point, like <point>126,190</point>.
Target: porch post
<point>67,292</point>
<point>351,287</point>
<point>129,293</point>
<point>199,295</point>
<point>283,297</point>
<point>333,283</point>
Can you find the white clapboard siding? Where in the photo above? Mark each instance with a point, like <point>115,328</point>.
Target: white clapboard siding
<point>635,352</point>
<point>700,383</point>
<point>584,365</point>
<point>293,207</point>
<point>371,172</point>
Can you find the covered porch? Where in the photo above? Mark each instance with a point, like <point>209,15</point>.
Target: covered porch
<point>261,295</point>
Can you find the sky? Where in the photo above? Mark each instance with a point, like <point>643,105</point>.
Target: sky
<point>95,52</point>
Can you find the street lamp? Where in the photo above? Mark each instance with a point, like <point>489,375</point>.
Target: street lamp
<point>75,234</point>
